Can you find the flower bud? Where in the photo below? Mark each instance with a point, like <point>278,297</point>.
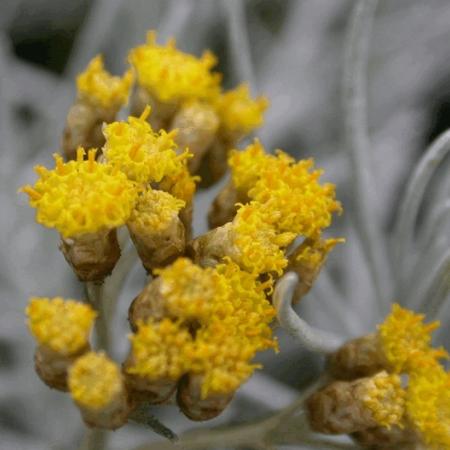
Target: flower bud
<point>393,438</point>
<point>97,387</point>
<point>347,407</point>
<point>192,403</point>
<point>197,124</point>
<point>61,329</point>
<point>92,256</point>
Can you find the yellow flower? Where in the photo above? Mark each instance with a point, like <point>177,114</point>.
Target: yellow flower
<point>259,245</point>
<point>143,155</point>
<point>404,337</point>
<point>158,350</point>
<point>82,196</point>
<point>189,291</point>
<point>238,112</point>
<point>172,75</point>
<point>180,183</point>
<point>385,398</point>
<point>428,404</point>
<point>247,165</point>
<point>155,210</point>
<point>94,381</point>
<point>97,86</point>
<point>314,252</point>
<point>61,325</point>
<point>290,191</point>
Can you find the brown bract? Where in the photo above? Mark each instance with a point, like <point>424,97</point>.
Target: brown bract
<point>92,256</point>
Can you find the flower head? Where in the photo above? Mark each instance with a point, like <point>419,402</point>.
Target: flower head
<point>61,325</point>
<point>82,196</point>
<point>159,350</point>
<point>94,381</point>
<point>172,75</point>
<point>259,246</point>
<point>404,338</point>
<point>143,155</point>
<point>97,86</point>
<point>428,404</point>
<point>313,252</point>
<point>189,290</point>
<point>385,398</point>
<point>155,210</point>
<point>238,112</point>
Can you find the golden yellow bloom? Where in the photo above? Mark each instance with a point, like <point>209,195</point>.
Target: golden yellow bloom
<point>172,75</point>
<point>97,86</point>
<point>313,255</point>
<point>428,404</point>
<point>385,398</point>
<point>94,381</point>
<point>189,291</point>
<point>238,112</point>
<point>62,325</point>
<point>80,197</point>
<point>247,165</point>
<point>259,245</point>
<point>289,190</point>
<point>223,360</point>
<point>143,155</point>
<point>155,210</point>
<point>180,183</point>
<point>159,350</point>
<point>404,337</point>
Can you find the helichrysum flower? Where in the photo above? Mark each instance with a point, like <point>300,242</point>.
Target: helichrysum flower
<point>82,196</point>
<point>385,398</point>
<point>428,404</point>
<point>97,86</point>
<point>159,350</point>
<point>189,291</point>
<point>143,155</point>
<point>94,381</point>
<point>238,112</point>
<point>260,247</point>
<point>404,338</point>
<point>286,187</point>
<point>155,210</point>
<point>172,75</point>
<point>59,324</point>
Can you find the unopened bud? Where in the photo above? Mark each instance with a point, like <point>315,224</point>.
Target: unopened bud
<point>92,256</point>
<point>193,405</point>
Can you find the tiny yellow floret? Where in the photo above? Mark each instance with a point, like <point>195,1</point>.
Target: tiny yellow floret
<point>172,75</point>
<point>82,196</point>
<point>404,337</point>
<point>238,112</point>
<point>385,398</point>
<point>428,405</point>
<point>143,155</point>
<point>314,252</point>
<point>61,325</point>
<point>99,87</point>
<point>95,381</point>
<point>155,210</point>
<point>159,350</point>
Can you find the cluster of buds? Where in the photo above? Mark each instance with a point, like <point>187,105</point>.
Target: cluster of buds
<point>206,311</point>
<point>389,389</point>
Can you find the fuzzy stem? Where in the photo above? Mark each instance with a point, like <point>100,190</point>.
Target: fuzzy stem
<point>358,144</point>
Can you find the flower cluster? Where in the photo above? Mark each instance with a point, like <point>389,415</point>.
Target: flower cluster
<point>206,310</point>
<point>409,387</point>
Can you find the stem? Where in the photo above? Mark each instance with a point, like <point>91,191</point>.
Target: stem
<point>95,295</point>
<point>358,143</point>
<point>94,439</point>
